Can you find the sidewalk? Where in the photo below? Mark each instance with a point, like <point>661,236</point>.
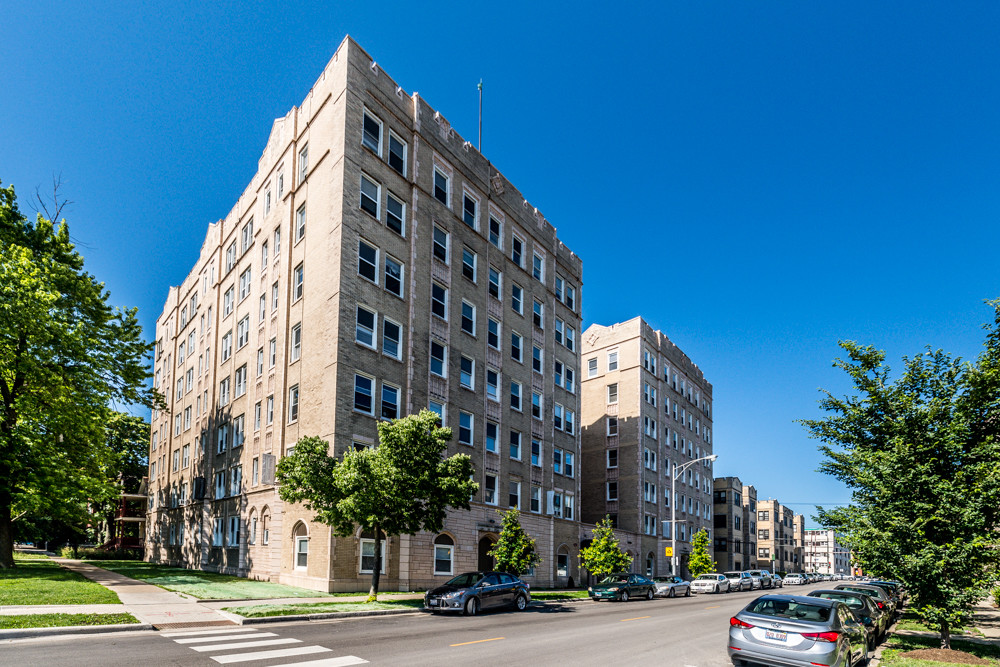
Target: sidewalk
<point>986,618</point>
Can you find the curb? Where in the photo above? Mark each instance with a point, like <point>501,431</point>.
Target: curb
<point>20,633</point>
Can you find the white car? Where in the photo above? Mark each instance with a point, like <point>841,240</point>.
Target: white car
<point>710,583</point>
<point>794,579</point>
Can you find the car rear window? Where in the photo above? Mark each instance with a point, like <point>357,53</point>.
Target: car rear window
<point>734,575</point>
<point>851,601</point>
<point>709,577</point>
<point>798,611</point>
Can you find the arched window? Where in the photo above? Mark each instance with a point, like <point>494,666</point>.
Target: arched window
<point>265,526</point>
<point>444,554</point>
<point>300,537</point>
<point>650,564</point>
<point>562,561</point>
<point>252,538</point>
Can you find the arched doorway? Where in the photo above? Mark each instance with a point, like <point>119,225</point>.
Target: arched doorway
<point>486,561</point>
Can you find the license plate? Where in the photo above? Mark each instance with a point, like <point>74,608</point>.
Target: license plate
<point>776,636</point>
<point>432,603</point>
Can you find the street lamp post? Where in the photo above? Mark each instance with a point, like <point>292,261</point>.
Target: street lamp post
<point>678,471</point>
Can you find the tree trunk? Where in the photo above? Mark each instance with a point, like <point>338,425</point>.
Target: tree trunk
<point>6,534</point>
<point>945,635</point>
<point>377,570</point>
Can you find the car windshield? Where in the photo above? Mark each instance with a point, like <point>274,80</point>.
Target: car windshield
<point>709,577</point>
<point>799,611</point>
<point>465,580</point>
<point>734,575</point>
<point>616,579</point>
<point>852,601</point>
<point>663,580</point>
<point>870,592</point>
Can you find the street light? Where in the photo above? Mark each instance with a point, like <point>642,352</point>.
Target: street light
<point>678,471</point>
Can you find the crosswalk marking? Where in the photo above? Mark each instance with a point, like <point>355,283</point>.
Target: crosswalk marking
<point>218,631</point>
<point>342,661</point>
<point>263,642</point>
<point>267,655</point>
<point>223,638</point>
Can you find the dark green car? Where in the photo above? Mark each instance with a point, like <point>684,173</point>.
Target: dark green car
<point>622,587</point>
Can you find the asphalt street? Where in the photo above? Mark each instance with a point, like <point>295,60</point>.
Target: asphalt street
<point>680,632</point>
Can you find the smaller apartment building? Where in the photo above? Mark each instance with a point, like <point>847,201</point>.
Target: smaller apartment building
<point>750,527</point>
<point>825,554</point>
<point>727,511</point>
<point>777,549</point>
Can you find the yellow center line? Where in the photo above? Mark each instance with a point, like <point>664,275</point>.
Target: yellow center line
<point>479,641</point>
<point>714,606</point>
<point>637,618</point>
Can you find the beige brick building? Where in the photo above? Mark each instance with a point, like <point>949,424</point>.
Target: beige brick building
<point>728,522</point>
<point>376,264</point>
<point>646,409</point>
<point>779,549</point>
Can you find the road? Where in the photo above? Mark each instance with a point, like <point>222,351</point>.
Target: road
<point>681,632</point>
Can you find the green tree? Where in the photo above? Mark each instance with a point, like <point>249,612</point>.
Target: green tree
<point>514,550</point>
<point>127,437</point>
<point>921,455</point>
<point>700,561</point>
<point>399,488</point>
<point>65,355</point>
<point>604,556</point>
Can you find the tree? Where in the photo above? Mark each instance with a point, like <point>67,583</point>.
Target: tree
<point>65,355</point>
<point>127,437</point>
<point>399,488</point>
<point>922,457</point>
<point>604,556</point>
<point>700,561</point>
<point>514,550</point>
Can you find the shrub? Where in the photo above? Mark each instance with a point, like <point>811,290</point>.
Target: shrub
<point>85,553</point>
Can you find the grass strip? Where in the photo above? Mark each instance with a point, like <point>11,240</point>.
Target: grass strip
<point>897,644</point>
<point>266,610</point>
<point>40,581</point>
<point>62,620</point>
<point>559,595</point>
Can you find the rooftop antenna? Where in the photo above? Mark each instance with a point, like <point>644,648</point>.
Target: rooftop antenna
<point>480,148</point>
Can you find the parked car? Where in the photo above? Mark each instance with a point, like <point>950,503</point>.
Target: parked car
<point>764,577</point>
<point>777,581</point>
<point>792,630</point>
<point>794,579</point>
<point>739,581</point>
<point>671,587</point>
<point>874,619</point>
<point>471,592</point>
<point>895,590</point>
<point>623,586</point>
<point>711,583</point>
<point>881,597</point>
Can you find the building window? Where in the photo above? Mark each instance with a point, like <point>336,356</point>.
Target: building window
<point>444,553</point>
<point>496,279</point>
<point>517,298</point>
<point>470,209</point>
<point>223,394</point>
<point>440,242</point>
<point>515,445</point>
<point>515,396</point>
<point>363,389</point>
<point>491,436</point>
<point>240,383</point>
<point>441,186</point>
<point>368,556</point>
<point>515,346</point>
<point>390,401</point>
<point>468,318</point>
<point>296,337</point>
<point>246,282</point>
<point>493,334</point>
<point>490,490</point>
<point>536,405</point>
<point>392,335</point>
<point>536,499</point>
<point>371,133</point>
<point>298,278</point>
<point>613,392</point>
<point>217,532</point>
<point>492,384</point>
<point>439,301</point>
<point>538,267</point>
<point>303,162</point>
<point>469,264</point>
<point>227,302</point>
<point>397,154</point>
<point>369,196</point>
<point>612,455</point>
<point>364,331</point>
<point>300,223</point>
<point>466,428</point>
<point>467,376</point>
<point>293,404</point>
<point>612,490</point>
<point>517,250</point>
<point>269,413</point>
<point>368,261</point>
<point>613,360</point>
<point>438,359</point>
<point>496,232</point>
<point>272,352</point>
<point>514,494</point>
<point>395,214</point>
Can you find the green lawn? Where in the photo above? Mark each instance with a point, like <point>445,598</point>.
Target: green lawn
<point>912,622</point>
<point>54,620</point>
<point>204,585</point>
<point>559,595</point>
<point>263,610</point>
<point>40,581</point>
<point>897,644</point>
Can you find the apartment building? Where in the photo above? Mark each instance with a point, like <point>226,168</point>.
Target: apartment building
<point>376,264</point>
<point>728,522</point>
<point>647,419</point>
<point>776,543</point>
<point>825,554</point>
<point>750,527</point>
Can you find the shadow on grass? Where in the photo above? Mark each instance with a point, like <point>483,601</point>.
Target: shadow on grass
<point>906,643</point>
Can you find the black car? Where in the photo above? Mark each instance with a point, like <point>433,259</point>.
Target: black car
<point>471,592</point>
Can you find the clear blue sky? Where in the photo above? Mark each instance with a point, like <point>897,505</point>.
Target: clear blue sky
<point>783,174</point>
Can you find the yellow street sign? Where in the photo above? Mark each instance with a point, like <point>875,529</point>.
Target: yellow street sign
<point>668,552</point>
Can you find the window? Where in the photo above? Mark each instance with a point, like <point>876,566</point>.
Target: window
<point>293,403</point>
<point>536,405</point>
<point>612,490</point>
<point>223,394</point>
<point>517,298</point>
<point>491,436</point>
<point>466,428</point>
<point>227,302</point>
<point>490,490</point>
<point>440,244</point>
<point>269,413</point>
<point>514,494</point>
<point>272,352</point>
<point>298,277</point>
<point>235,480</point>
<point>496,232</point>
<point>274,296</point>
<point>363,388</point>
<point>395,214</point>
<point>569,421</point>
<point>613,360</point>
<point>468,318</point>
<point>570,380</point>
<point>368,261</point>
<point>277,241</point>
<point>186,456</point>
<point>444,553</point>
<point>439,301</point>
<point>467,376</point>
<point>568,503</point>
<point>240,382</point>
<point>438,359</point>
<point>243,332</point>
<point>368,556</point>
<point>559,325</point>
<point>390,401</point>
<point>557,461</point>
<point>262,310</point>
<point>393,276</point>
<point>557,416</point>
<point>470,210</point>
<point>371,133</point>
<point>257,413</point>
<point>245,283</point>
<point>392,336</point>
<point>515,445</point>
<point>538,267</point>
<point>441,186</point>
<point>397,154</point>
<point>538,314</point>
<point>267,200</point>
<point>220,485</point>
<point>536,453</point>
<point>364,330</point>
<point>217,532</point>
<point>613,393</point>
<point>469,264</point>
<point>537,357</point>
<point>296,349</point>
<point>301,552</point>
<point>493,334</point>
<point>303,161</point>
<point>495,283</point>
<point>517,250</point>
<point>300,223</point>
<point>567,462</point>
<point>230,256</point>
<point>536,499</point>
<point>612,455</point>
<point>515,346</point>
<point>369,196</point>
<point>222,442</point>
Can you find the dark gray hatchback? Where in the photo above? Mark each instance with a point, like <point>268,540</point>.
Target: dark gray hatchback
<point>472,592</point>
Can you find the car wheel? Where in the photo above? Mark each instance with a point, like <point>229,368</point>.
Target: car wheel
<point>649,593</point>
<point>687,593</point>
<point>472,607</point>
<point>624,596</point>
<point>521,603</point>
<point>670,593</point>
<point>716,589</point>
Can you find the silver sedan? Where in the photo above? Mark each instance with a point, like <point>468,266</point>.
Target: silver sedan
<point>671,587</point>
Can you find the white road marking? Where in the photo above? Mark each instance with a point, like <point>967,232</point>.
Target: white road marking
<point>264,642</point>
<point>224,638</point>
<point>267,655</point>
<point>220,631</point>
<point>342,661</point>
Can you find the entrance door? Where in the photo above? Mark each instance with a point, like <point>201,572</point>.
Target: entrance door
<point>486,561</point>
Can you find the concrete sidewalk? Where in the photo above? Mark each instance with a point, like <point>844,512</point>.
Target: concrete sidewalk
<point>986,618</point>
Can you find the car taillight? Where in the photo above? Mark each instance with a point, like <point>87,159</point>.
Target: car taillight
<point>880,605</point>
<point>737,623</point>
<point>822,636</point>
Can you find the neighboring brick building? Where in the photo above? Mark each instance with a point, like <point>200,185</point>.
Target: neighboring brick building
<point>646,408</point>
<point>376,265</point>
<point>824,554</point>
<point>776,541</point>
<point>749,527</point>
<point>728,522</point>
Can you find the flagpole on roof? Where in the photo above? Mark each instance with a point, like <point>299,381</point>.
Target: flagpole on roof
<point>480,116</point>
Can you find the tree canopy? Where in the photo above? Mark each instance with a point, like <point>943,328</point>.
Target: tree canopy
<point>399,488</point>
<point>700,560</point>
<point>65,355</point>
<point>514,550</point>
<point>922,458</point>
<point>604,555</point>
